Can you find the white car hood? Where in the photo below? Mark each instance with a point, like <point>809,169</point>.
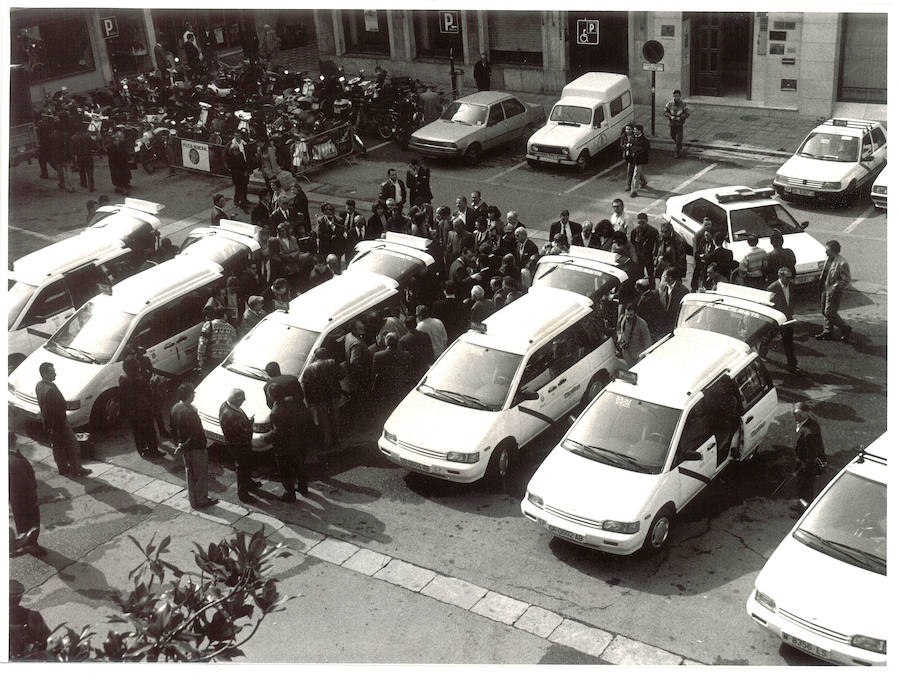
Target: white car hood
<point>591,489</point>
<point>555,134</point>
<point>803,582</point>
<point>445,131</point>
<point>438,425</point>
<point>815,170</point>
<point>215,388</point>
<point>73,377</point>
<point>807,249</point>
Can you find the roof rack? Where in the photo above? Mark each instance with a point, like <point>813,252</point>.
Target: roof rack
<point>874,457</point>
<point>851,123</point>
<point>744,194</point>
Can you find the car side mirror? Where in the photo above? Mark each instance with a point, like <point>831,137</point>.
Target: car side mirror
<point>689,456</point>
<point>528,395</point>
<point>804,224</point>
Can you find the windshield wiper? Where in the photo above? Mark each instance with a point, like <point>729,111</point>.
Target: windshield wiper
<point>248,371</point>
<point>87,356</point>
<point>857,555</point>
<point>699,309</point>
<point>599,450</point>
<point>59,349</point>
<point>458,398</point>
<point>554,268</point>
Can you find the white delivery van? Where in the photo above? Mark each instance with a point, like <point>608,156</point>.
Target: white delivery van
<point>651,441</point>
<point>589,116</point>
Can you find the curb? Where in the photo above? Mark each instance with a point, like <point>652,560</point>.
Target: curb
<point>606,646</point>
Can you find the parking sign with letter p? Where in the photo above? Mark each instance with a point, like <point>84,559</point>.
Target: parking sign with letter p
<point>449,20</point>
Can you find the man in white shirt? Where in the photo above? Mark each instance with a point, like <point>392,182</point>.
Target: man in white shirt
<point>433,328</point>
<point>618,218</point>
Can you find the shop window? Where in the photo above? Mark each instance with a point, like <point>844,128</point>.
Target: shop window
<point>514,38</point>
<point>366,31</point>
<point>430,41</point>
<point>55,47</point>
<point>128,50</point>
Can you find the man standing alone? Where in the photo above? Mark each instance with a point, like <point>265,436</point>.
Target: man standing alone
<point>66,451</point>
<point>810,452</point>
<point>482,73</point>
<point>677,112</point>
<point>192,445</point>
<point>834,281</point>
<point>238,165</point>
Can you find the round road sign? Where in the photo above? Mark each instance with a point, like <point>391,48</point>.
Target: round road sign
<point>653,51</point>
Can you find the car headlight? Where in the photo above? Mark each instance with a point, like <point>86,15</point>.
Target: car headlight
<point>878,189</point>
<point>390,436</point>
<point>621,527</point>
<point>459,457</point>
<point>260,428</point>
<point>833,186</point>
<point>534,499</point>
<point>565,151</point>
<point>870,643</point>
<point>73,405</point>
<point>534,148</point>
<point>781,179</point>
<point>765,600</point>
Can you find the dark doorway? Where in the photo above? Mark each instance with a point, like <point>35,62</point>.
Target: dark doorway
<point>721,45</point>
<point>610,54</point>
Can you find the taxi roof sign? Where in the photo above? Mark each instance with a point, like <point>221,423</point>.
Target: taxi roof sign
<point>594,254</point>
<point>242,228</point>
<point>761,297</point>
<point>744,194</point>
<point>417,242</point>
<point>628,376</point>
<point>144,206</point>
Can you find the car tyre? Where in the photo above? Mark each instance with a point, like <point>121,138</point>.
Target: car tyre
<point>660,530</point>
<point>472,154</point>
<point>582,161</point>
<point>106,411</point>
<point>499,465</point>
<point>533,163</point>
<point>598,382</point>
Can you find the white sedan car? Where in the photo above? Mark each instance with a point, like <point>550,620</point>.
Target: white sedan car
<point>742,212</point>
<point>824,590</point>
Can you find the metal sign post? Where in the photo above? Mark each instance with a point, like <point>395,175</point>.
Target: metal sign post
<point>653,52</point>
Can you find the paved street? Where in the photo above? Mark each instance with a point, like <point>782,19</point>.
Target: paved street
<point>384,557</point>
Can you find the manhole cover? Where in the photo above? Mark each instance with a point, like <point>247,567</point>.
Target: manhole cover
<point>725,135</point>
<point>749,117</point>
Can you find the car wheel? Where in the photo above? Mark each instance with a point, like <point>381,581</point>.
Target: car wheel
<point>383,128</point>
<point>499,465</point>
<point>472,154</point>
<point>582,162</point>
<point>533,163</point>
<point>106,411</point>
<point>598,382</point>
<point>14,361</point>
<point>660,530</point>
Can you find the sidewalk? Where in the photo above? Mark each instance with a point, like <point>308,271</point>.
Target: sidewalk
<point>353,605</point>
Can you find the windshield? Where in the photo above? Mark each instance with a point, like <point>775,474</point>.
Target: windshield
<point>94,333</point>
<point>762,220</point>
<point>571,114</point>
<point>17,296</point>
<point>828,146</point>
<point>398,266</point>
<point>271,340</point>
<point>463,112</point>
<point>588,282</point>
<point>849,523</point>
<point>745,325</point>
<point>472,376</point>
<point>624,432</point>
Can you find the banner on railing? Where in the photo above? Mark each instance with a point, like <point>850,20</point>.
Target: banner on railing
<point>195,155</point>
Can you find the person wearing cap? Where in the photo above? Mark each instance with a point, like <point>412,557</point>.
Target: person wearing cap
<point>28,632</point>
<point>237,429</point>
<point>254,313</point>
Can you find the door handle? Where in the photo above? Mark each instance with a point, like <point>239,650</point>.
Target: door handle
<point>561,382</point>
<point>182,338</point>
<point>749,419</point>
<point>552,389</point>
<point>169,345</point>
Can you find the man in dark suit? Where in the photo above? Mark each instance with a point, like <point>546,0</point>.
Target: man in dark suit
<point>524,248</point>
<point>671,291</point>
<point>585,238</point>
<point>833,282</point>
<point>451,311</point>
<point>649,307</point>
<point>418,345</point>
<point>810,452</point>
<point>465,213</point>
<point>783,290</point>
<point>237,160</point>
<point>478,206</point>
<point>391,373</point>
<point>347,219</point>
<point>355,234</point>
<point>565,227</point>
<point>393,188</point>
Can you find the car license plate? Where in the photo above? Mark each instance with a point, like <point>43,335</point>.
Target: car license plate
<point>802,192</point>
<point>806,646</point>
<point>416,466</point>
<point>564,533</point>
<point>549,158</point>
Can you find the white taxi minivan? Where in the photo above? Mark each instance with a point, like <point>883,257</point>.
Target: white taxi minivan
<point>825,589</point>
<point>651,441</point>
<point>320,316</point>
<point>44,288</point>
<point>159,309</point>
<point>589,116</point>
<point>494,389</point>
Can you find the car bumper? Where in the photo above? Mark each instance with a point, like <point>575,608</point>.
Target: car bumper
<point>25,408</point>
<point>810,642</point>
<point>214,434</point>
<point>464,473</point>
<point>807,277</point>
<point>598,539</point>
<point>435,151</point>
<point>549,158</point>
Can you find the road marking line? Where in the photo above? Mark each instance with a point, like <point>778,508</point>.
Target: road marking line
<point>590,179</point>
<point>505,172</point>
<point>378,146</point>
<point>859,220</point>
<point>685,183</point>
<point>36,234</point>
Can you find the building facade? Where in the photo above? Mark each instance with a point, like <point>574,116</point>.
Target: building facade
<point>805,62</point>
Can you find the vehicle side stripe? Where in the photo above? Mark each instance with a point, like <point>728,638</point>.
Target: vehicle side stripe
<point>695,475</point>
<point>536,414</point>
